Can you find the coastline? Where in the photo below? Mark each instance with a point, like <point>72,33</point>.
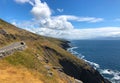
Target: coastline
<point>67,45</point>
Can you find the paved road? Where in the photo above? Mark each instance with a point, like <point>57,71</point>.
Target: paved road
<point>11,48</point>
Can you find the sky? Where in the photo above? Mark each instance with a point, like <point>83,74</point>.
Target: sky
<point>68,19</point>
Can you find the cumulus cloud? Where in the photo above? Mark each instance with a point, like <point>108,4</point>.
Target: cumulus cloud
<point>88,33</point>
<point>60,26</point>
<point>60,10</point>
<point>41,10</point>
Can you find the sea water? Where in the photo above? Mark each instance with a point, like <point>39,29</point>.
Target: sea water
<point>103,55</point>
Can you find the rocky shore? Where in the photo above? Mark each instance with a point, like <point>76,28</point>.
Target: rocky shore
<point>76,71</point>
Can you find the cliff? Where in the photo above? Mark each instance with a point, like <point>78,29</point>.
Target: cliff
<point>45,60</point>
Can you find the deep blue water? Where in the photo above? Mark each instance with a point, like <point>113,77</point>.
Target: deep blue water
<point>105,53</point>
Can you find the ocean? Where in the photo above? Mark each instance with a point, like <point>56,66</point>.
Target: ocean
<point>103,55</point>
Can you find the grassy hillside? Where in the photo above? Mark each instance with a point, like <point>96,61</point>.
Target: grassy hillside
<point>43,61</point>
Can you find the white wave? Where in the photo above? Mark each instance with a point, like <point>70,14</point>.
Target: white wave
<point>95,65</point>
<point>107,71</point>
<point>71,50</point>
<point>115,75</point>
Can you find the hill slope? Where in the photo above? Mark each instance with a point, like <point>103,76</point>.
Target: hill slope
<point>43,61</point>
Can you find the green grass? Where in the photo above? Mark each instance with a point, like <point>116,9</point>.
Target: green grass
<point>35,44</point>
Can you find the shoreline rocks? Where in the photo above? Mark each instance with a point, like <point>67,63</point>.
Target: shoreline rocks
<point>76,71</point>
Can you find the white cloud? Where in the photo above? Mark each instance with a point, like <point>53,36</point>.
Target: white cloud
<point>96,32</point>
<point>41,10</point>
<point>90,33</point>
<point>14,23</point>
<point>81,19</point>
<point>25,1</point>
<point>59,26</point>
<point>60,10</point>
<point>72,33</point>
<point>91,19</point>
<point>22,1</point>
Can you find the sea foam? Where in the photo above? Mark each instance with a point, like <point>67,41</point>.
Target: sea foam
<point>71,50</point>
<point>115,74</point>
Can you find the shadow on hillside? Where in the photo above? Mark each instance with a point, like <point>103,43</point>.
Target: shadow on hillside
<point>85,75</point>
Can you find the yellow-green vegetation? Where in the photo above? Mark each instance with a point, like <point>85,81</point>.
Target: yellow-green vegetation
<point>29,58</point>
<point>40,52</point>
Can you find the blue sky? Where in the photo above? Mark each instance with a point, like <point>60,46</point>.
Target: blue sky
<point>70,19</point>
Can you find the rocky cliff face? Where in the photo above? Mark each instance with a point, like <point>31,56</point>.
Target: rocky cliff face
<point>47,57</point>
<point>89,75</point>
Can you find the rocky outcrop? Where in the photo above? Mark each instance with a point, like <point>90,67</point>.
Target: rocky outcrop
<point>89,75</point>
<point>71,68</point>
<point>65,44</point>
<point>18,46</point>
<point>85,75</point>
<point>3,32</point>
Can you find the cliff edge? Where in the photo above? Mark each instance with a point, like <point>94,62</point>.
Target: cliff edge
<point>45,60</point>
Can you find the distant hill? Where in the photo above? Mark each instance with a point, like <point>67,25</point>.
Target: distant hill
<point>45,60</point>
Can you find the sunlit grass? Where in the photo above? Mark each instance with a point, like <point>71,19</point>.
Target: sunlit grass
<point>26,59</point>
